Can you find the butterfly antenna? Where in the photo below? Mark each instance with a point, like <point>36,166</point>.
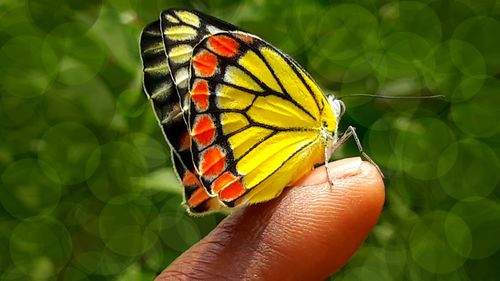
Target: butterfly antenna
<point>391,97</point>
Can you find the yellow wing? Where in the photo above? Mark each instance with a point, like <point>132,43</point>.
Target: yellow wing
<point>257,120</point>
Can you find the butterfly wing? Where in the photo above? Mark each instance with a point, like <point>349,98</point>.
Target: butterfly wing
<point>257,120</point>
<point>166,50</point>
<point>243,120</point>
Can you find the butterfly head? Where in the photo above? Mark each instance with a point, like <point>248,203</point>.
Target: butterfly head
<point>330,133</point>
<point>338,107</point>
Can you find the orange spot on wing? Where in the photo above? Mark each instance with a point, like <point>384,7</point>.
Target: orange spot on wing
<point>203,130</point>
<point>212,162</point>
<point>190,179</point>
<point>223,181</point>
<point>185,141</point>
<point>199,196</point>
<point>223,45</point>
<point>200,94</point>
<point>232,191</point>
<point>205,63</point>
<point>244,37</point>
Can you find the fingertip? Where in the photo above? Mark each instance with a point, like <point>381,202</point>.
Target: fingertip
<point>353,177</point>
<point>331,221</point>
<point>344,168</point>
<point>307,233</point>
<point>371,183</point>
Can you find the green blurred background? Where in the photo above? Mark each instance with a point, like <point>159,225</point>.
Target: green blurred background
<point>86,186</point>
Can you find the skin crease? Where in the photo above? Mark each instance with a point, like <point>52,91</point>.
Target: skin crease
<point>307,233</point>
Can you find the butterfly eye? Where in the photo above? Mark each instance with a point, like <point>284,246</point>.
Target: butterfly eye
<point>338,106</point>
<point>342,108</point>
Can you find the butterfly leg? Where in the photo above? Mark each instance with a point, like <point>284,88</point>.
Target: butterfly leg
<point>351,132</point>
<point>327,157</point>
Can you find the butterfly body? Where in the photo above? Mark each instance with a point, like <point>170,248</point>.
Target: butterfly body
<point>243,119</point>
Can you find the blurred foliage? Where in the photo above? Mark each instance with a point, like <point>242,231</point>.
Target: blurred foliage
<point>86,186</point>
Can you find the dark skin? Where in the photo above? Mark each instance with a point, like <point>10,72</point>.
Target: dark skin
<point>308,233</point>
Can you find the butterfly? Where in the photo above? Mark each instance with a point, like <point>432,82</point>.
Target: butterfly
<point>243,119</point>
